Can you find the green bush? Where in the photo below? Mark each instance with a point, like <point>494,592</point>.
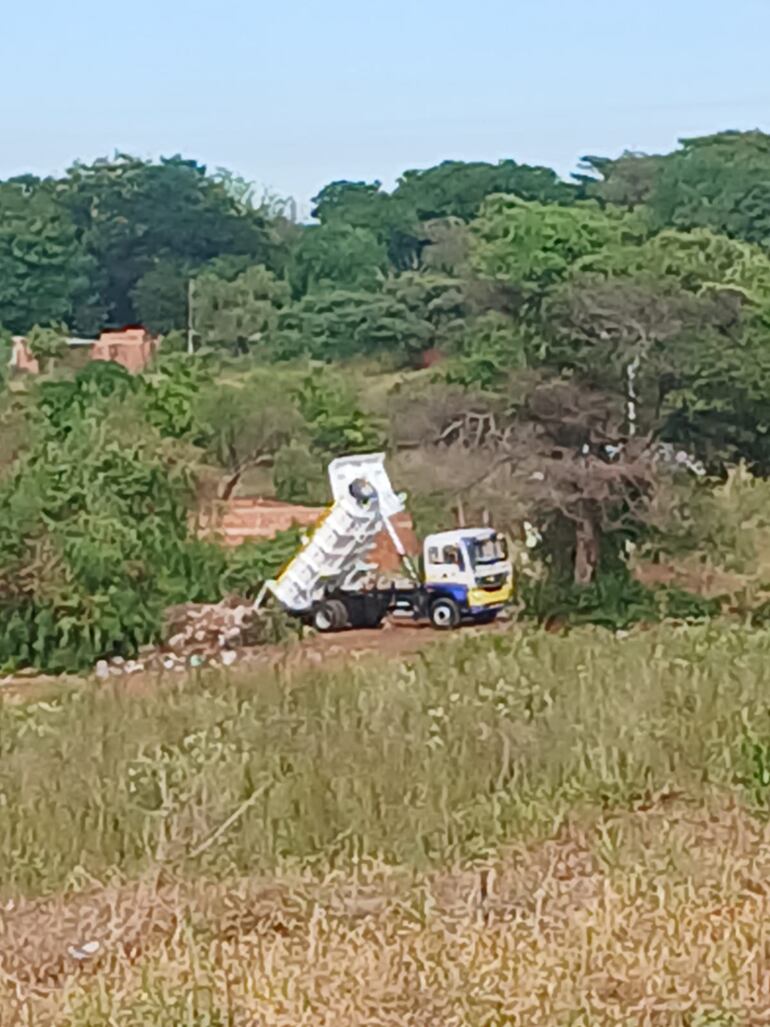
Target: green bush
<point>95,540</point>
<point>615,600</point>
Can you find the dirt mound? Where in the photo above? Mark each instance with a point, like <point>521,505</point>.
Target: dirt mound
<point>198,634</point>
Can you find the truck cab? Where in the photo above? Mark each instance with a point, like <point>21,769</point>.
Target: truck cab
<point>467,575</point>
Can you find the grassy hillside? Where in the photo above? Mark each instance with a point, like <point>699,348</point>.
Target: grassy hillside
<point>517,829</point>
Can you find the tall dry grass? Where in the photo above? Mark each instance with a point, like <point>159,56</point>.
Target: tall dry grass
<point>514,829</point>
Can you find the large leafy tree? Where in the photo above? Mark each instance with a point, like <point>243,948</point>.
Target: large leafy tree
<point>160,297</point>
<point>627,180</point>
<point>337,256</point>
<point>533,246</point>
<point>365,205</point>
<point>342,324</point>
<point>720,182</point>
<point>243,426</point>
<point>240,313</point>
<point>44,273</point>
<point>458,188</point>
<point>698,261</point>
<point>130,214</point>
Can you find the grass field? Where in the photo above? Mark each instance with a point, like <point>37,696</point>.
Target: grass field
<point>517,829</point>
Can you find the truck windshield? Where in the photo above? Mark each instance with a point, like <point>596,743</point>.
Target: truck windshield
<point>487,550</point>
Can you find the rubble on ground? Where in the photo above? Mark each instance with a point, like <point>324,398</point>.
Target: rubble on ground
<point>202,634</point>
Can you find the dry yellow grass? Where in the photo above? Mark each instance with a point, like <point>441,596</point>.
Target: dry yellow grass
<point>652,915</point>
<point>521,829</point>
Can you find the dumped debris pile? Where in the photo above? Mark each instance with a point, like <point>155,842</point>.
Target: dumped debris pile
<point>204,634</point>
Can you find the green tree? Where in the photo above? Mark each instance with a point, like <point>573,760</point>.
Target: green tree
<point>240,313</point>
<point>337,256</point>
<point>532,246</point>
<point>44,273</point>
<point>335,423</point>
<point>698,261</point>
<point>448,246</point>
<point>716,404</point>
<point>130,214</point>
<point>492,348</point>
<point>721,182</point>
<point>627,181</point>
<point>607,330</point>
<point>299,475</point>
<point>343,324</point>
<point>438,299</point>
<point>365,205</point>
<point>47,344</point>
<point>160,297</point>
<point>459,188</point>
<point>6,346</point>
<point>245,425</point>
<point>93,537</point>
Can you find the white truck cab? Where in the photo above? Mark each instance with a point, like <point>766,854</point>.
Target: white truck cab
<point>470,568</point>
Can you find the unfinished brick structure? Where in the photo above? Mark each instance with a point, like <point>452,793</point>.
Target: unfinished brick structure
<point>133,348</point>
<point>238,520</point>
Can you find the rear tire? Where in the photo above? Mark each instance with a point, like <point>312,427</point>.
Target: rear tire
<point>340,614</point>
<point>444,614</point>
<point>330,615</point>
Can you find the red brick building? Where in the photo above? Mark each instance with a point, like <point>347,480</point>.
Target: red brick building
<point>131,347</point>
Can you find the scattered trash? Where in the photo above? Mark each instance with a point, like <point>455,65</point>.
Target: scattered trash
<point>89,948</point>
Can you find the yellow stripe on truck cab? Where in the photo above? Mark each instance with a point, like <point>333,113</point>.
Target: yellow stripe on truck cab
<point>480,596</point>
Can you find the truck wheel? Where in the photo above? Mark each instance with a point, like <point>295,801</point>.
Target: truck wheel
<point>445,614</point>
<point>330,615</point>
<point>339,613</point>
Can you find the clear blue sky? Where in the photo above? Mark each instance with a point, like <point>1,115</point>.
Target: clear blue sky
<point>296,94</point>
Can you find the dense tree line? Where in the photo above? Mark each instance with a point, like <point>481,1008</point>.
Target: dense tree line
<point>584,332</point>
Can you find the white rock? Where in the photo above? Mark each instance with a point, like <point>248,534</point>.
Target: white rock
<point>102,669</point>
<point>228,657</point>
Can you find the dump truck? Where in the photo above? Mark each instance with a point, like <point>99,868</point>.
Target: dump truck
<point>466,574</point>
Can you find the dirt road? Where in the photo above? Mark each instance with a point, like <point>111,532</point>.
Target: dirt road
<point>394,639</point>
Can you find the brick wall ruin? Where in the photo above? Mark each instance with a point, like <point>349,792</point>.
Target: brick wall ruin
<point>238,520</point>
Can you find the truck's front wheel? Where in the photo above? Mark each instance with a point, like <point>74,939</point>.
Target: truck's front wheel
<point>444,614</point>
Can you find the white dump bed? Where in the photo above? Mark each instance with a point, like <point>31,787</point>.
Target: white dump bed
<point>335,554</point>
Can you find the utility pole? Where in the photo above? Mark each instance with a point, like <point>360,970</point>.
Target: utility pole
<point>190,333</point>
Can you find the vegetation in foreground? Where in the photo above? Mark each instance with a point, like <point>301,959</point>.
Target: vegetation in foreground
<point>511,829</point>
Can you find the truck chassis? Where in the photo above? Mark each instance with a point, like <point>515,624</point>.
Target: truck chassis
<point>339,609</point>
